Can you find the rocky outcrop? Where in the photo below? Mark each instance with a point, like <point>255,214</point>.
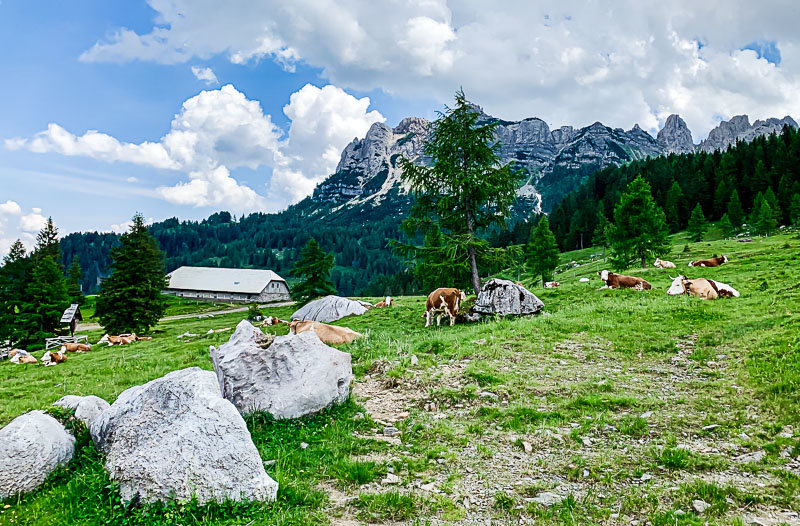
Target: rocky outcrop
<point>294,376</point>
<point>675,136</point>
<point>176,437</point>
<point>503,298</point>
<point>32,446</point>
<point>87,408</point>
<point>739,129</point>
<point>330,308</point>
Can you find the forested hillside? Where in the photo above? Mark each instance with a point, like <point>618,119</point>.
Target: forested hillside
<point>765,169</point>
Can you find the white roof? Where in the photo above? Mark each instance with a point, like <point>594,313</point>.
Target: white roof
<point>212,279</point>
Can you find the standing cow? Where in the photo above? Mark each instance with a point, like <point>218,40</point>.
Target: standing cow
<point>620,281</point>
<point>444,301</point>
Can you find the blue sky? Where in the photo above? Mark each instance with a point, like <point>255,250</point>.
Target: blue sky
<point>290,83</point>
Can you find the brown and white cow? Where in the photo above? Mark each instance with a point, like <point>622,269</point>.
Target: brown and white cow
<point>444,301</point>
<point>661,263</point>
<point>385,303</point>
<point>552,284</point>
<point>703,288</point>
<point>75,347</point>
<point>620,281</point>
<point>330,334</point>
<point>712,262</point>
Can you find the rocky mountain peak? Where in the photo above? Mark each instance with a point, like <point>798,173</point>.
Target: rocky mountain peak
<point>675,136</point>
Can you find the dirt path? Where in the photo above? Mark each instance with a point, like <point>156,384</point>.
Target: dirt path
<point>95,326</point>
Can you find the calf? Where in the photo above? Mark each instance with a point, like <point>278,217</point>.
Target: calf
<point>713,262</point>
<point>552,284</point>
<point>660,263</point>
<point>445,301</point>
<point>620,281</point>
<point>703,288</point>
<point>329,334</point>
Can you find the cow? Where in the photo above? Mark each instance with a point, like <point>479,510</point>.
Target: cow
<point>703,288</point>
<point>617,281</point>
<point>75,347</point>
<point>661,263</point>
<point>385,303</point>
<point>53,358</point>
<point>713,262</point>
<point>329,334</point>
<point>552,284</point>
<point>272,320</point>
<point>20,356</point>
<point>444,301</point>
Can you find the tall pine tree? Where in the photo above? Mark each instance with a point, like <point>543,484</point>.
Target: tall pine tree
<point>314,270</point>
<point>542,251</point>
<point>697,224</point>
<point>725,226</point>
<point>599,237</point>
<point>639,231</point>
<point>74,278</point>
<point>130,299</point>
<point>14,277</point>
<point>45,301</point>
<point>673,207</point>
<point>794,210</point>
<point>766,221</point>
<point>735,211</point>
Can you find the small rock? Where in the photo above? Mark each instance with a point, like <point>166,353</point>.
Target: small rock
<point>358,416</point>
<point>755,456</point>
<point>646,477</point>
<point>710,427</point>
<point>428,487</point>
<point>700,506</point>
<point>647,414</point>
<point>678,513</point>
<point>303,445</point>
<point>482,341</point>
<point>391,431</point>
<point>403,415</point>
<point>547,498</point>
<point>526,446</point>
<point>414,359</point>
<point>489,394</point>
<point>586,441</point>
<point>390,478</point>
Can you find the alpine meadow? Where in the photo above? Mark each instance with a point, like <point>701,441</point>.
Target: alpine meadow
<point>400,263</point>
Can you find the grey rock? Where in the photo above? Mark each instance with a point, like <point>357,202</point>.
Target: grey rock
<point>504,297</point>
<point>675,136</point>
<point>390,431</point>
<point>739,129</point>
<point>33,446</point>
<point>754,456</point>
<point>176,437</point>
<point>700,506</point>
<point>295,376</point>
<point>87,408</point>
<point>330,308</point>
<point>547,498</point>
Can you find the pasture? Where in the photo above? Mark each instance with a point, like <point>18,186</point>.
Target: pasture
<point>615,406</point>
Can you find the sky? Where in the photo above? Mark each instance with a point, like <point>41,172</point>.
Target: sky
<point>180,108</point>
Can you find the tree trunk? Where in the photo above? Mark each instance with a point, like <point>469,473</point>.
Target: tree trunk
<point>644,264</point>
<point>543,281</point>
<point>473,263</point>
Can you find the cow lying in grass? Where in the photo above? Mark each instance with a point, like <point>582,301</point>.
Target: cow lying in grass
<point>330,334</point>
<point>385,303</point>
<point>443,301</point>
<point>552,284</point>
<point>123,339</point>
<point>620,281</point>
<point>703,288</point>
<point>75,347</point>
<point>661,263</point>
<point>53,358</point>
<point>713,262</point>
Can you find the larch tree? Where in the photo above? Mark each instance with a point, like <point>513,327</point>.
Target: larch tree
<point>639,230</point>
<point>697,224</point>
<point>314,270</point>
<point>464,189</point>
<point>130,299</point>
<point>542,251</point>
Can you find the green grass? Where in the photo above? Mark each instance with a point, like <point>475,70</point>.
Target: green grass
<point>573,383</point>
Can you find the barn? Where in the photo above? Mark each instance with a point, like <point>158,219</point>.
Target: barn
<point>237,285</point>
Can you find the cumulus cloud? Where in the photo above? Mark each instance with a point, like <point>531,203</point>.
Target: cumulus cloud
<point>16,224</point>
<point>206,75</point>
<point>121,228</point>
<point>567,62</point>
<point>33,222</point>
<point>220,130</point>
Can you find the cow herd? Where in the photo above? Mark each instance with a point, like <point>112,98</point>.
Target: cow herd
<point>707,289</point>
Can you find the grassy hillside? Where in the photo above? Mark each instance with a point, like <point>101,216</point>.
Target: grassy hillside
<point>629,405</point>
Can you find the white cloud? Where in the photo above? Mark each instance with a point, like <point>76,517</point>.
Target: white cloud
<point>206,75</point>
<point>32,222</point>
<point>15,224</point>
<point>220,130</point>
<point>121,228</point>
<point>132,179</point>
<point>567,62</point>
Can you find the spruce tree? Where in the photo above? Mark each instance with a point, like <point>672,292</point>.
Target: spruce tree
<point>726,226</point>
<point>673,207</point>
<point>755,212</point>
<point>130,299</point>
<point>735,211</point>
<point>465,188</point>
<point>47,242</point>
<point>599,237</point>
<point>639,231</point>
<point>766,221</point>
<point>14,276</point>
<point>74,278</point>
<point>772,199</point>
<point>314,269</point>
<point>542,251</point>
<point>697,224</point>
<point>46,300</point>
<point>794,210</point>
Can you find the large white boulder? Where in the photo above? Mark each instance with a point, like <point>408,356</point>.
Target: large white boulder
<point>330,308</point>
<point>87,408</point>
<point>293,376</point>
<point>176,437</point>
<point>503,297</point>
<point>31,447</point>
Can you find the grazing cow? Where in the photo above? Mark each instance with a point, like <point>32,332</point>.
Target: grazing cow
<point>330,334</point>
<point>617,281</point>
<point>75,347</point>
<point>713,262</point>
<point>385,303</point>
<point>444,301</point>
<point>703,288</point>
<point>661,263</point>
<point>552,284</point>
